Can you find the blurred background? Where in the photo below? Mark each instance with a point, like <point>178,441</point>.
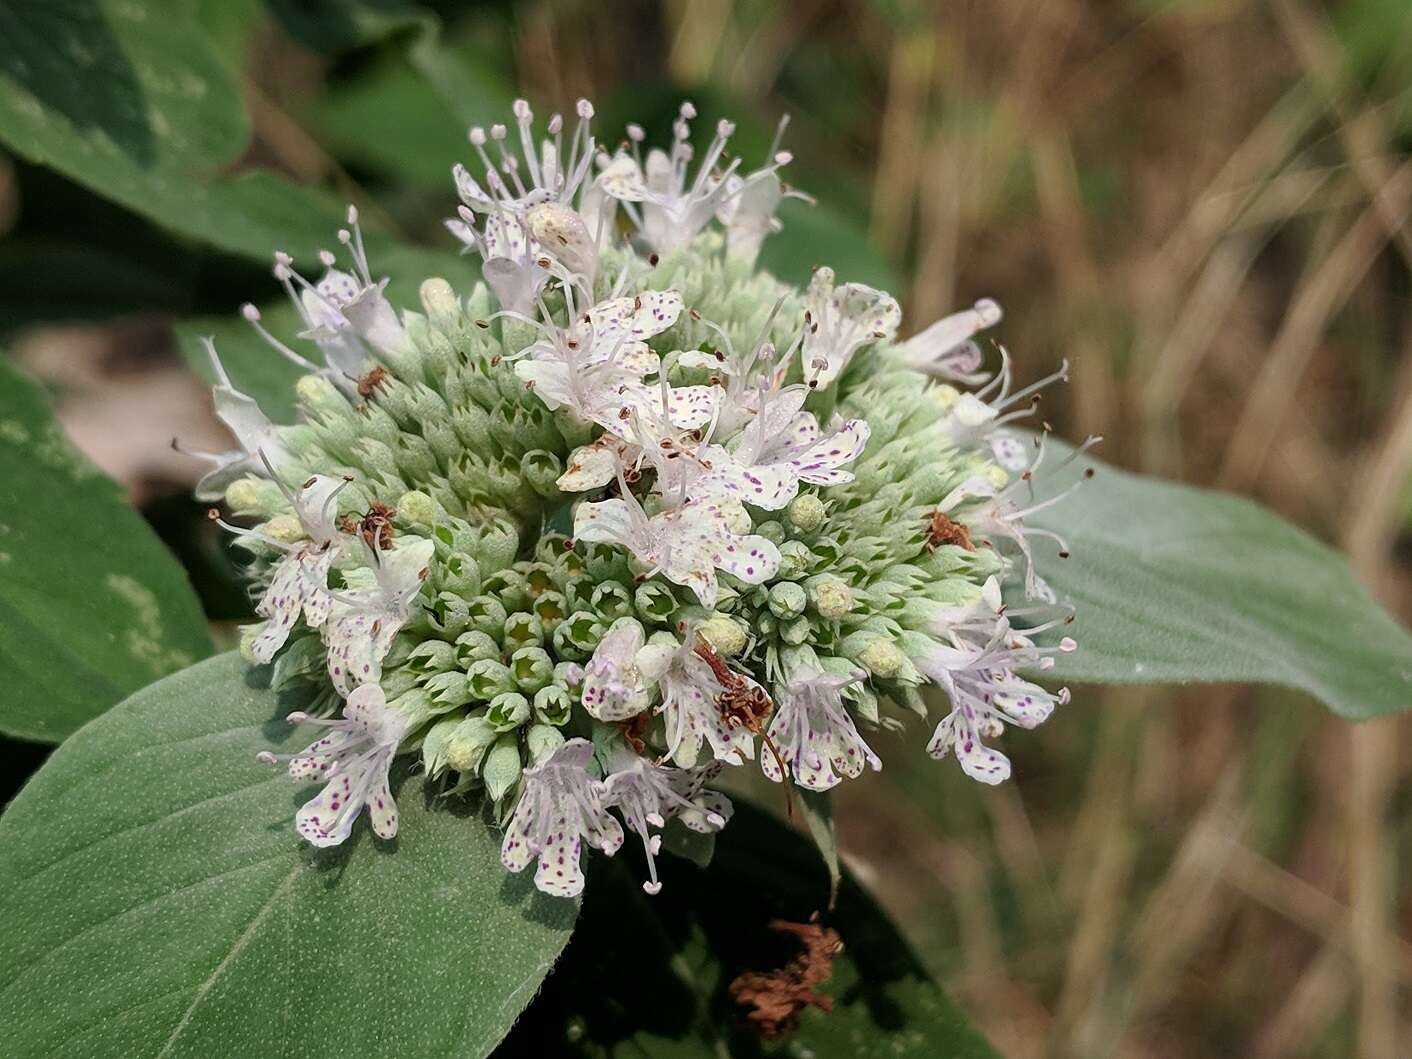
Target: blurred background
<point>1203,204</point>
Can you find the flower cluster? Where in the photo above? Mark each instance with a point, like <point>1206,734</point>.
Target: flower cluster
<point>630,513</point>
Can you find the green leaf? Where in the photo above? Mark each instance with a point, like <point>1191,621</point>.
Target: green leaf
<point>158,902</point>
<point>1175,584</point>
<point>651,975</point>
<point>818,819</point>
<point>100,88</point>
<point>92,604</point>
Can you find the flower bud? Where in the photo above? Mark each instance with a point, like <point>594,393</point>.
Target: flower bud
<point>416,508</point>
<point>468,743</point>
<point>435,744</point>
<point>508,711</point>
<point>502,765</point>
<point>796,631</point>
<point>487,678</point>
<point>832,598</point>
<point>285,528</point>
<point>449,690</point>
<point>795,560</point>
<point>553,705</point>
<point>725,635</point>
<point>880,658</point>
<point>787,600</point>
<point>439,300</point>
<point>654,602</point>
<point>563,233</point>
<point>317,395</point>
<point>532,668</point>
<point>805,513</point>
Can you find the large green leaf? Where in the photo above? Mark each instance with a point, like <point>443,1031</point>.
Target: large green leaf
<point>650,975</point>
<point>1175,584</point>
<point>157,901</point>
<point>92,604</point>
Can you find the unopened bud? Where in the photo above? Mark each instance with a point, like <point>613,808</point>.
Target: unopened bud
<point>806,513</point>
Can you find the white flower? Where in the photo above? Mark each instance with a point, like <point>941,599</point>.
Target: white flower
<point>614,688</point>
<point>838,320</point>
<point>1000,514</point>
<point>669,206</point>
<point>687,545</point>
<point>648,795</point>
<point>560,806</point>
<point>783,436</point>
<point>354,758</point>
<point>814,735</point>
<point>529,216</point>
<point>691,709</point>
<point>947,349</point>
<point>346,314</point>
<point>258,439</point>
<point>595,366</point>
<point>364,620</point>
<point>977,672</point>
<point>299,582</point>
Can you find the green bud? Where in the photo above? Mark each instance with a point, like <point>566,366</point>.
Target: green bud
<point>787,600</point>
<point>432,656</point>
<point>771,530</point>
<point>487,615</point>
<point>796,631</point>
<point>532,668</point>
<point>766,624</point>
<point>501,769</point>
<point>522,629</point>
<point>654,602</point>
<point>795,560</point>
<point>550,547</point>
<point>450,614</point>
<point>510,587</point>
<point>417,508</point>
<point>435,745</point>
<point>449,690</point>
<point>542,470</point>
<point>831,597</point>
<point>542,740</point>
<point>806,513</point>
<point>576,637</point>
<point>508,711</point>
<point>487,678</point>
<point>611,601</point>
<point>880,658</point>
<point>468,743</point>
<point>553,704</point>
<point>550,608</point>
<point>474,645</point>
<point>725,635</point>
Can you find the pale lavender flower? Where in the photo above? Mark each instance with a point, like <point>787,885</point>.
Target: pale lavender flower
<point>838,320</point>
<point>648,795</point>
<point>354,759</point>
<point>560,807</point>
<point>814,734</point>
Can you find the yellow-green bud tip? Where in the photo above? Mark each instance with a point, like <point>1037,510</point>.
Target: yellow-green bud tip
<point>243,495</point>
<point>881,659</point>
<point>417,508</point>
<point>832,599</point>
<point>285,528</point>
<point>724,634</point>
<point>439,298</point>
<point>806,513</point>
